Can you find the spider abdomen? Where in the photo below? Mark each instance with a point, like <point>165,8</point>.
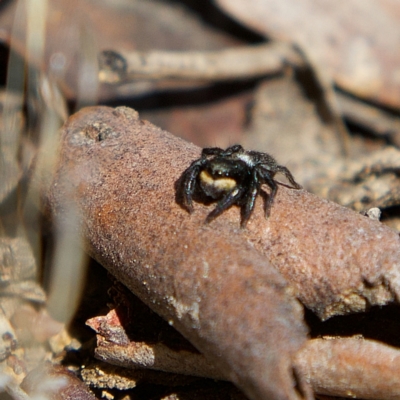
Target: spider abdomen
<point>216,187</point>
<point>221,176</point>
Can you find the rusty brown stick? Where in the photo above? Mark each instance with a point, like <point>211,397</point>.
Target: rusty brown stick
<point>207,281</point>
<point>352,367</point>
<point>115,347</point>
<point>210,281</point>
<point>338,261</point>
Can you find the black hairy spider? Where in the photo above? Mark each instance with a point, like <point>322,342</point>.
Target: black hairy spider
<point>232,176</point>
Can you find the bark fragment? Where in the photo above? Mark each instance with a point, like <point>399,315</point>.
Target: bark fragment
<point>115,347</point>
<point>106,376</point>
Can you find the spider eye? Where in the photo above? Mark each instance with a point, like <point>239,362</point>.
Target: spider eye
<point>217,172</point>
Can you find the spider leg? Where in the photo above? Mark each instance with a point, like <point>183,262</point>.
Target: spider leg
<point>189,183</point>
<point>250,199</point>
<point>211,151</point>
<point>236,148</point>
<point>228,200</point>
<point>268,179</point>
<point>289,176</point>
<point>216,151</point>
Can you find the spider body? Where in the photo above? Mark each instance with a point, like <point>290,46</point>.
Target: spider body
<point>232,176</point>
<point>220,175</point>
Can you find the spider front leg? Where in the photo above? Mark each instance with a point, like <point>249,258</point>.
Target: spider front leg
<point>189,178</point>
<point>211,151</point>
<point>227,201</point>
<point>289,176</point>
<point>216,151</point>
<point>250,199</point>
<point>269,180</point>
<point>236,148</point>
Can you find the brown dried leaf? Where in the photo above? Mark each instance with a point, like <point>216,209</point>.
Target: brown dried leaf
<point>17,260</point>
<point>287,125</point>
<point>371,181</point>
<point>358,53</point>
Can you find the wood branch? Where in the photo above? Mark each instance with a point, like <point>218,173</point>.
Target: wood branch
<point>215,283</point>
<point>103,375</point>
<point>244,63</point>
<point>352,367</point>
<point>205,280</point>
<point>236,63</point>
<point>381,122</point>
<point>114,347</point>
<point>106,376</point>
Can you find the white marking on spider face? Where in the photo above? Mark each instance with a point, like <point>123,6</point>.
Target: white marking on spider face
<point>247,159</point>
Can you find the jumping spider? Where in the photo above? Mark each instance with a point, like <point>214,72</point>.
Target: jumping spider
<point>232,176</point>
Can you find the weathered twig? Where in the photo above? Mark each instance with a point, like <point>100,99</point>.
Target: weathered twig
<point>352,367</point>
<point>237,63</point>
<point>205,280</point>
<point>103,375</point>
<point>381,122</point>
<point>241,63</point>
<point>338,261</point>
<point>114,347</point>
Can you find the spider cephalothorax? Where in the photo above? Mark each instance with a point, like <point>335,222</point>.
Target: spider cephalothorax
<point>232,176</point>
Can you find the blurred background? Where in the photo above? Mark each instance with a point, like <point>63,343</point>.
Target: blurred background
<point>314,83</point>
